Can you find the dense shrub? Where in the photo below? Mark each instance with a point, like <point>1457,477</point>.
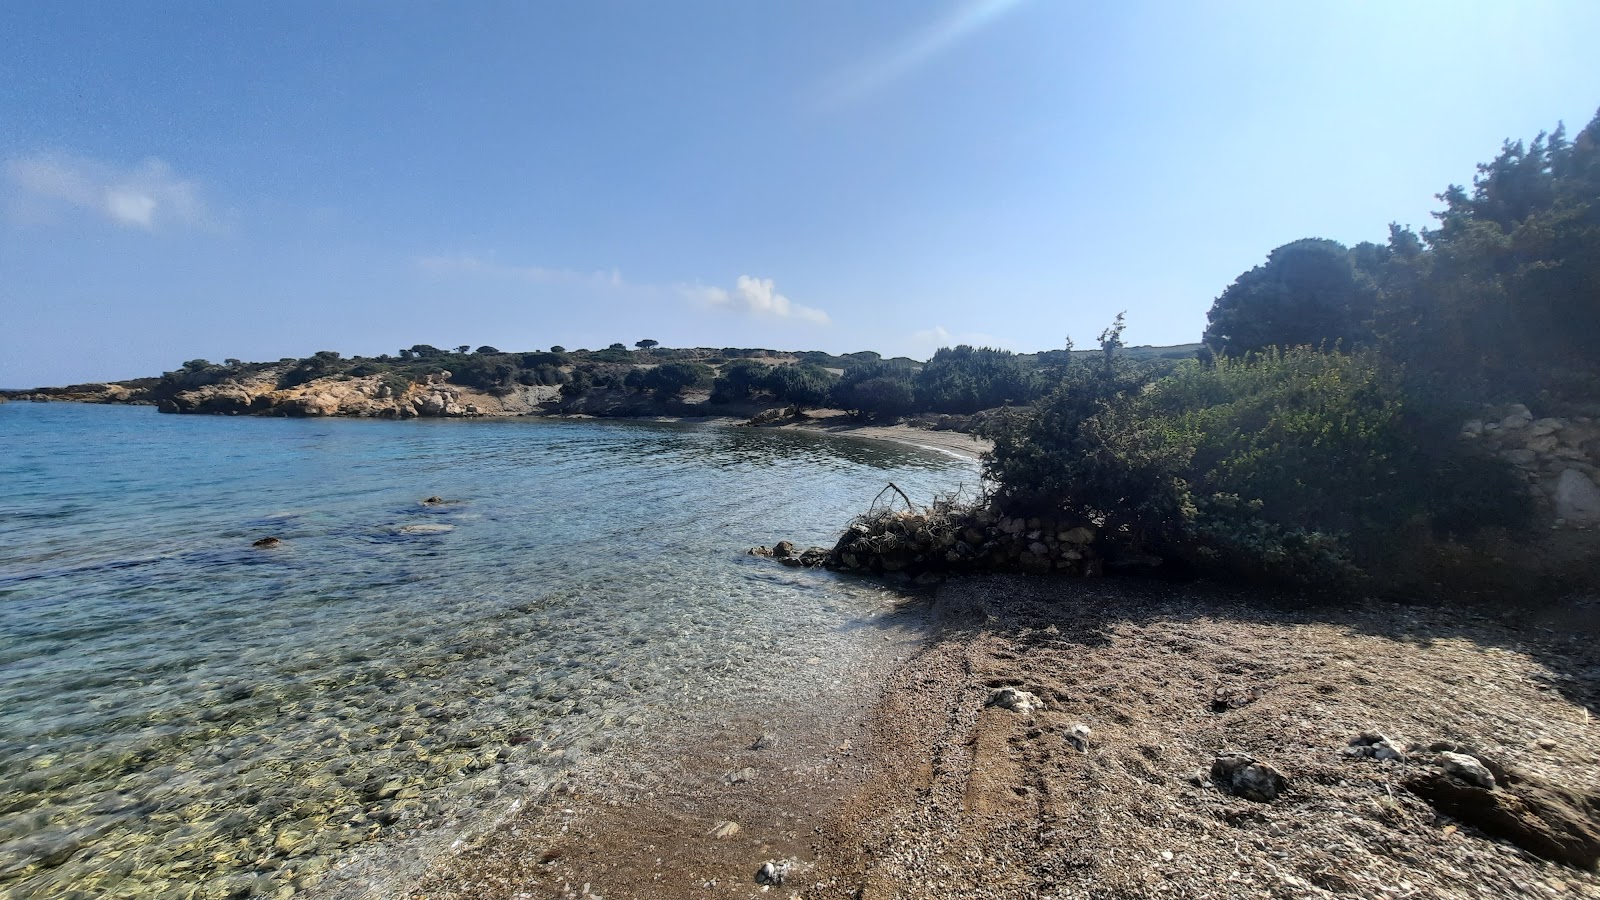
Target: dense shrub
<point>802,385</point>
<point>668,379</point>
<point>739,381</point>
<point>874,389</point>
<point>1297,464</point>
<point>965,379</point>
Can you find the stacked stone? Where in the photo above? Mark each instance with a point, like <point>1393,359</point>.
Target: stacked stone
<point>973,541</point>
<point>1558,458</point>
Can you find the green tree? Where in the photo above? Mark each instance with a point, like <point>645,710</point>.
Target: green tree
<point>646,344</point>
<point>876,388</point>
<point>1306,294</point>
<point>966,379</point>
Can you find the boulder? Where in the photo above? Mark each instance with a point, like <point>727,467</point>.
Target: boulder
<point>1543,443</point>
<point>1551,822</point>
<point>1577,500</point>
<point>773,872</point>
<point>1374,745</point>
<point>266,543</point>
<point>1079,736</point>
<point>1468,769</point>
<point>1518,417</point>
<point>1522,457</point>
<point>1241,774</point>
<point>1080,535</point>
<point>1017,701</point>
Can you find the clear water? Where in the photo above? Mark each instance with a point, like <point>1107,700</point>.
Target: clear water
<point>182,715</point>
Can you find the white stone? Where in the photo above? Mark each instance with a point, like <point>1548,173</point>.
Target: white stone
<point>1546,426</point>
<point>1577,499</point>
<point>1468,769</point>
<point>1017,701</point>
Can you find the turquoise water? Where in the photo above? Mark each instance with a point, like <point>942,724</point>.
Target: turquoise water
<point>183,715</point>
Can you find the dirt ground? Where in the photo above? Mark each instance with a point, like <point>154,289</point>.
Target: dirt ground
<point>910,784</point>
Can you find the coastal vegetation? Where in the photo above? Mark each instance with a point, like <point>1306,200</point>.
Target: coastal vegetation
<point>1315,434</point>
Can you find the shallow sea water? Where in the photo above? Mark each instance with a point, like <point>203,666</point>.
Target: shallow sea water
<point>182,715</point>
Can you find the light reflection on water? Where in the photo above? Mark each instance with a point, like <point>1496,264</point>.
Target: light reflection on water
<point>184,715</point>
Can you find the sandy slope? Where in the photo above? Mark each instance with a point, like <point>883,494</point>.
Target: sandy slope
<point>905,784</point>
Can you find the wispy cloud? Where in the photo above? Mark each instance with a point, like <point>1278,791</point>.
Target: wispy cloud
<point>912,52</point>
<point>475,265</point>
<point>756,296</point>
<point>147,196</point>
<point>752,296</point>
<point>921,344</point>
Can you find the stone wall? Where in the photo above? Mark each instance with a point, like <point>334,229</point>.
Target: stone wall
<point>1558,458</point>
<point>927,544</point>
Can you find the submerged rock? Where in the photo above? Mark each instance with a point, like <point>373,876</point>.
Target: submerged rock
<point>1577,499</point>
<point>266,542</point>
<point>426,529</point>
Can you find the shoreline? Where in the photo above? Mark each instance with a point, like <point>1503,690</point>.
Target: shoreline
<point>954,443</point>
<point>938,793</point>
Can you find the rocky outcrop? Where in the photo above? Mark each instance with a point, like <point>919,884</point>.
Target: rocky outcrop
<point>1558,458</point>
<point>369,397</point>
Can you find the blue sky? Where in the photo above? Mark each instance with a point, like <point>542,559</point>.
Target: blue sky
<point>266,180</point>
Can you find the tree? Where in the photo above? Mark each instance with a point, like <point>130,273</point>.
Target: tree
<point>738,381</point>
<point>669,379</point>
<point>463,348</point>
<point>486,350</point>
<point>646,344</point>
<point>878,388</point>
<point>424,351</point>
<point>965,379</point>
<point>1306,294</point>
<point>558,349</point>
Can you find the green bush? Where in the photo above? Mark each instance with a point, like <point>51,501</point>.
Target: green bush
<point>876,388</point>
<point>802,385</point>
<point>668,379</point>
<point>739,381</point>
<point>1297,465</point>
<point>966,379</point>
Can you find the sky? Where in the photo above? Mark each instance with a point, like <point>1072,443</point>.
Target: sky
<point>258,181</point>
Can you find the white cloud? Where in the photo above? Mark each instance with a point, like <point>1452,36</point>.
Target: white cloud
<point>912,52</point>
<point>147,196</point>
<point>921,344</point>
<point>474,265</point>
<point>757,296</point>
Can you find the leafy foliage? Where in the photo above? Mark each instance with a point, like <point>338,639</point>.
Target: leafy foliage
<point>1308,293</point>
<point>965,379</point>
<point>876,388</point>
<point>668,379</point>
